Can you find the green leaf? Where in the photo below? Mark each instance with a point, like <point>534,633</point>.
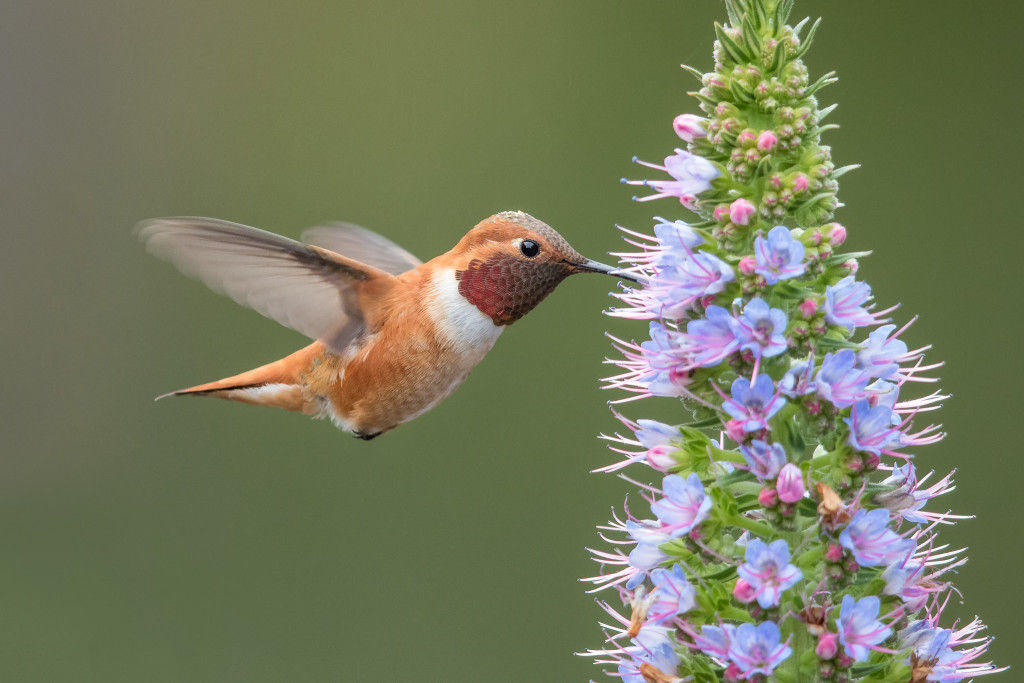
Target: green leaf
<point>778,59</point>
<point>696,73</point>
<point>827,79</point>
<point>805,43</point>
<point>843,170</point>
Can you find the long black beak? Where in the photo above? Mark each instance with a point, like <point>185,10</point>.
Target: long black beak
<point>589,266</point>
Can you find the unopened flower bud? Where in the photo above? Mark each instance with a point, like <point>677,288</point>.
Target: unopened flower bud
<point>734,674</point>
<point>740,211</point>
<point>766,141</point>
<point>689,127</point>
<point>807,308</point>
<point>752,156</point>
<point>834,553</point>
<point>800,183</point>
<point>734,430</point>
<point>790,483</point>
<point>746,138</point>
<point>851,266</point>
<point>768,497</point>
<point>721,213</point>
<point>828,646</point>
<point>747,265</point>
<point>836,235</point>
<point>744,592</point>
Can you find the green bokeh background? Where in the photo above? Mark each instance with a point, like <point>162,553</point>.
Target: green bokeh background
<point>197,540</point>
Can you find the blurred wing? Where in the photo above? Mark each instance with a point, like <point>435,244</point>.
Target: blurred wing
<point>304,287</point>
<point>362,245</point>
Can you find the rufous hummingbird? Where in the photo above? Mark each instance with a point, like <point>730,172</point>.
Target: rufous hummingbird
<point>394,336</point>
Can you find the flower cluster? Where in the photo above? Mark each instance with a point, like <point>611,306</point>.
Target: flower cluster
<point>787,534</point>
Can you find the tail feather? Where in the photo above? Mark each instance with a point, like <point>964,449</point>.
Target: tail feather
<point>277,384</point>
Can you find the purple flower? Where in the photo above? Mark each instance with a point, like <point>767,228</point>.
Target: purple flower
<point>764,459</point>
<point>658,439</point>
<point>859,628</point>
<point>872,542</point>
<point>652,645</point>
<point>690,173</point>
<point>839,380</point>
<point>780,256</point>
<point>757,649</point>
<point>714,641</point>
<point>909,495</point>
<point>798,380</point>
<point>760,329</point>
<point>871,428</point>
<point>675,236</point>
<point>712,338</point>
<point>934,646</point>
<point>844,304</point>
<point>681,278</point>
<point>880,354</point>
<point>753,405</point>
<point>667,360</point>
<point>684,506</point>
<point>768,571</point>
<point>673,594</point>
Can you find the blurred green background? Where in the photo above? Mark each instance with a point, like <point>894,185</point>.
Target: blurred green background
<point>197,540</point>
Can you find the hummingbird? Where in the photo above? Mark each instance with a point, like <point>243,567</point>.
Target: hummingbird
<point>393,336</point>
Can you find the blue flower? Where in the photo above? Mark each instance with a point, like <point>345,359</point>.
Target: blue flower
<point>881,354</point>
<point>676,235</point>
<point>714,641</point>
<point>798,380</point>
<point>768,571</point>
<point>840,381</point>
<point>668,362</point>
<point>872,542</point>
<point>652,645</point>
<point>690,173</point>
<point>780,256</point>
<point>764,459</point>
<point>672,594</point>
<point>760,329</point>
<point>684,506</point>
<point>871,428</point>
<point>859,628</point>
<point>681,278</point>
<point>757,649</point>
<point>712,338</point>
<point>844,304</point>
<point>753,405</point>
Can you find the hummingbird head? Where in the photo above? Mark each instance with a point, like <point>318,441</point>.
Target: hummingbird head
<point>512,261</point>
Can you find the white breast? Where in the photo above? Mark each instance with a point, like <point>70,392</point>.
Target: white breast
<point>459,322</point>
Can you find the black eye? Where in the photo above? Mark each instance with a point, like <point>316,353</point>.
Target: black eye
<point>529,248</point>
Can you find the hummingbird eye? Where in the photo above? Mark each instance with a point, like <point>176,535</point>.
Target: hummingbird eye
<point>529,248</point>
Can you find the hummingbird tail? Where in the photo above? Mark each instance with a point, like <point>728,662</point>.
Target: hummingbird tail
<point>278,384</point>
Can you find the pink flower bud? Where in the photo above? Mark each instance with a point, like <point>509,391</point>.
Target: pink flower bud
<point>734,430</point>
<point>766,141</point>
<point>740,211</point>
<point>828,646</point>
<point>689,127</point>
<point>800,183</point>
<point>845,661</point>
<point>746,138</point>
<point>837,235</point>
<point>734,674</point>
<point>813,406</point>
<point>834,553</point>
<point>747,265</point>
<point>744,592</point>
<point>790,483</point>
<point>851,266</point>
<point>807,308</point>
<point>768,497</point>
<point>721,213</point>
<point>660,457</point>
